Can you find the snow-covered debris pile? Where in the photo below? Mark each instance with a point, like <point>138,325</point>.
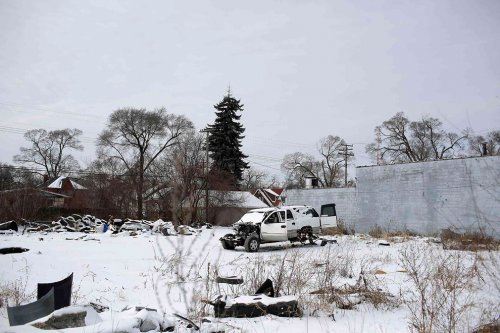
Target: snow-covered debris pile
<point>166,228</point>
<point>72,223</point>
<point>136,225</point>
<point>256,306</point>
<point>89,224</point>
<point>186,230</point>
<point>197,225</point>
<point>72,316</point>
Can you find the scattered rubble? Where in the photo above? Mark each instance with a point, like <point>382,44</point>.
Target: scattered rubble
<point>256,306</point>
<point>92,224</point>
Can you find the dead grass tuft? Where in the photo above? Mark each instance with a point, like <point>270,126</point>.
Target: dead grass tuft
<point>341,229</point>
<point>493,327</point>
<point>472,241</point>
<point>395,236</point>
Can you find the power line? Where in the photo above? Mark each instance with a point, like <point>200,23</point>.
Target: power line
<point>77,172</point>
<point>266,166</point>
<point>280,142</point>
<point>38,108</point>
<point>18,130</point>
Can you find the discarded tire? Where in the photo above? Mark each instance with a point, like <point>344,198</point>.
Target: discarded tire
<point>227,243</point>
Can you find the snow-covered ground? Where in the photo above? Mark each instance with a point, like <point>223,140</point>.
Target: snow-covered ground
<point>176,274</point>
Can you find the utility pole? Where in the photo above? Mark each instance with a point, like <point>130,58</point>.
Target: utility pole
<point>207,131</point>
<point>346,151</point>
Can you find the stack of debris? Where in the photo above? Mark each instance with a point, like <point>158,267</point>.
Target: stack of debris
<point>262,303</point>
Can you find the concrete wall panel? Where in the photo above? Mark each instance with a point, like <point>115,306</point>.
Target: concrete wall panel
<point>423,197</point>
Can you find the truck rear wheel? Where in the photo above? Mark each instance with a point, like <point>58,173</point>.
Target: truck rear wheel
<point>252,243</point>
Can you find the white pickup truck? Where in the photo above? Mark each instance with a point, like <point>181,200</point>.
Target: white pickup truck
<point>278,224</point>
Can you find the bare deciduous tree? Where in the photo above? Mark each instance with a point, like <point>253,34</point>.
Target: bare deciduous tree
<point>180,176</point>
<point>6,177</point>
<point>402,140</point>
<point>331,168</point>
<point>254,178</point>
<point>137,137</point>
<point>328,170</point>
<point>491,140</point>
<point>111,188</point>
<point>50,150</point>
<point>297,166</point>
<point>12,177</point>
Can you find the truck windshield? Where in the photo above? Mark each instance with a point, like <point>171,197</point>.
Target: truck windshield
<point>254,217</point>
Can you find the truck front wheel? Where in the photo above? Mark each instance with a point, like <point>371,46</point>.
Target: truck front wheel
<point>252,243</point>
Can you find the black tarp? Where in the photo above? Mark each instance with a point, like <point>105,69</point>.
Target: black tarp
<point>62,291</point>
<point>22,314</point>
<point>10,250</point>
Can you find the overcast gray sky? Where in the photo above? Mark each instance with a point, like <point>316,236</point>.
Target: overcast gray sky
<point>303,69</point>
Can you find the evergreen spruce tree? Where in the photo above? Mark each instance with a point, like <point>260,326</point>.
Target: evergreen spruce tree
<point>225,138</point>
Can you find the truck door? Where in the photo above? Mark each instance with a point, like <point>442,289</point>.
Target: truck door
<point>273,228</point>
<point>328,216</point>
<point>291,224</point>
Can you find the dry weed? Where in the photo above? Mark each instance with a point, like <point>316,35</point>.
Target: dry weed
<point>469,241</point>
<point>440,294</point>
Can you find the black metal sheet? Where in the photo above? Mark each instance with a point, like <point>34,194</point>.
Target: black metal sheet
<point>62,291</point>
<point>23,314</point>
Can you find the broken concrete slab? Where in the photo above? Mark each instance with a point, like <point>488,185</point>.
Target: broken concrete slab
<point>69,317</point>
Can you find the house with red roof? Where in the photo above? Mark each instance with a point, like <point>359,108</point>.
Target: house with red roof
<point>270,196</point>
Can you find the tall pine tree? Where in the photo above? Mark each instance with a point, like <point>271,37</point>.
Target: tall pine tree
<point>225,138</point>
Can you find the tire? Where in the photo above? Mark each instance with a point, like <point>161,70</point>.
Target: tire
<point>228,245</point>
<point>252,243</point>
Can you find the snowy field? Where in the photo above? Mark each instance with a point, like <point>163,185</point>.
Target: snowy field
<point>176,274</point>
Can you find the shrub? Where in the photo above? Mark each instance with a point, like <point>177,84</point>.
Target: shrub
<point>376,231</point>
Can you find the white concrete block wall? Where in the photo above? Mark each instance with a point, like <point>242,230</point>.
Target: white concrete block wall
<point>343,198</point>
<point>427,197</point>
<point>423,197</point>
